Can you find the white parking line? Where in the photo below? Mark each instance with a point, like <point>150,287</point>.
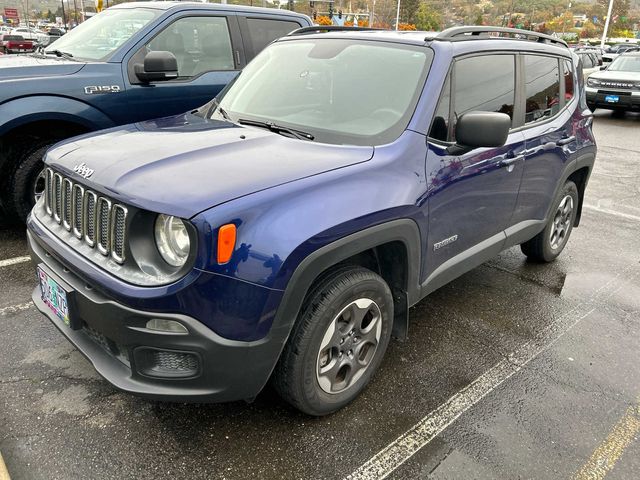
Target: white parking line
<point>615,213</point>
<point>409,443</point>
<point>14,261</point>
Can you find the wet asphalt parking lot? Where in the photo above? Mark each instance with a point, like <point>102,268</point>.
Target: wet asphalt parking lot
<point>514,370</point>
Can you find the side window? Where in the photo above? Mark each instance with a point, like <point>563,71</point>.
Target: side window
<point>440,125</point>
<point>485,83</point>
<point>587,61</point>
<point>542,78</point>
<point>263,31</point>
<point>200,44</point>
<point>568,80</point>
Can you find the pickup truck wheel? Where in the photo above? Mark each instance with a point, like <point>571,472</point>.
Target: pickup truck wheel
<point>549,243</point>
<point>27,182</point>
<point>338,342</point>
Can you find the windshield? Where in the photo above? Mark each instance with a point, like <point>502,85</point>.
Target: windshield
<point>625,64</point>
<point>339,91</point>
<point>101,35</point>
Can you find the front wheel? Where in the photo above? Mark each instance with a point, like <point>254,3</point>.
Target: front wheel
<point>549,243</point>
<point>338,342</point>
<point>27,183</point>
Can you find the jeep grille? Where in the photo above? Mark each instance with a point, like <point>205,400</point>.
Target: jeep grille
<point>87,215</point>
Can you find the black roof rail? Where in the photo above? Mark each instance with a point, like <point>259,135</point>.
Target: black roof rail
<point>476,31</point>
<point>329,28</point>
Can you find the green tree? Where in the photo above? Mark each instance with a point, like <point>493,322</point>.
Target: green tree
<point>427,18</point>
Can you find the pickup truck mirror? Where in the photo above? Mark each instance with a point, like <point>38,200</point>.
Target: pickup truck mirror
<point>481,129</point>
<point>603,67</point>
<point>158,66</point>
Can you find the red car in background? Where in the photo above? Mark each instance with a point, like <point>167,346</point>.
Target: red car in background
<point>15,44</point>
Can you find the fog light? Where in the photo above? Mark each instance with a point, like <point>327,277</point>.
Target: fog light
<point>163,325</point>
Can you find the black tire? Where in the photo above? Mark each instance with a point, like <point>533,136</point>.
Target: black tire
<point>19,195</point>
<point>542,247</point>
<point>297,375</point>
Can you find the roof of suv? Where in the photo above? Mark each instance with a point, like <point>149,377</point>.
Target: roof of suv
<point>465,39</point>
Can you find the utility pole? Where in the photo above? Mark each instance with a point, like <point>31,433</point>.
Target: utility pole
<point>398,15</point>
<point>606,24</point>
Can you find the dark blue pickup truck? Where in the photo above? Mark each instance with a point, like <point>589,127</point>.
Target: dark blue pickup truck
<point>94,77</point>
<point>283,230</point>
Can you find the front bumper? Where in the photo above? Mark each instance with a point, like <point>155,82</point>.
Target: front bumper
<point>629,100</point>
<point>114,337</point>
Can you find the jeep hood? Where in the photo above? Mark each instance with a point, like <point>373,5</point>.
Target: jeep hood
<point>29,66</point>
<point>185,164</point>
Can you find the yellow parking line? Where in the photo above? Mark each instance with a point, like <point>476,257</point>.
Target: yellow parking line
<point>609,452</point>
<point>4,473</point>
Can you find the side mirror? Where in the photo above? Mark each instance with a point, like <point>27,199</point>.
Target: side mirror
<point>158,66</point>
<point>482,129</point>
<point>603,67</point>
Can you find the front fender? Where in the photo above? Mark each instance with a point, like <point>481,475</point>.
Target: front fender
<point>24,110</point>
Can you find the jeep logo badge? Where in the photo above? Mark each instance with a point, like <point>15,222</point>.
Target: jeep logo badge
<point>83,170</point>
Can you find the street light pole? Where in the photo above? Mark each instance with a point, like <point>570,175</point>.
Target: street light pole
<point>606,24</point>
<point>398,15</point>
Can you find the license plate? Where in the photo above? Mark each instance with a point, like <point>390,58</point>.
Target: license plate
<point>54,296</point>
<point>612,99</point>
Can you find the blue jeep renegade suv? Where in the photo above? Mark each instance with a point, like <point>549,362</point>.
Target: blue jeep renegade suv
<point>282,231</point>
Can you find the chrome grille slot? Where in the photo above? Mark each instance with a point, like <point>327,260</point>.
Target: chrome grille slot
<point>57,197</point>
<point>67,187</point>
<point>103,220</point>
<point>78,196</point>
<point>118,232</point>
<point>96,220</point>
<point>48,190</point>
<point>89,226</point>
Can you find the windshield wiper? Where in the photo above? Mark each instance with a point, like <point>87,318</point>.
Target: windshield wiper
<point>59,53</point>
<point>300,135</point>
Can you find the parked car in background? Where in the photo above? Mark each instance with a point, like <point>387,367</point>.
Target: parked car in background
<point>54,34</point>
<point>10,43</point>
<point>38,37</point>
<point>594,50</point>
<point>129,63</point>
<point>618,86</point>
<point>608,57</point>
<point>590,63</point>
<point>282,231</point>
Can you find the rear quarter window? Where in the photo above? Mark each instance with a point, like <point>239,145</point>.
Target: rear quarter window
<point>542,80</point>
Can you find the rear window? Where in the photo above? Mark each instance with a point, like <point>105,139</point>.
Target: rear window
<point>12,38</point>
<point>542,78</point>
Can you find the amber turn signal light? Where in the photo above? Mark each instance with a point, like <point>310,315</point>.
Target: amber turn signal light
<point>226,242</point>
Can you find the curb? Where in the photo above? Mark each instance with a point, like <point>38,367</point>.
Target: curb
<point>4,473</point>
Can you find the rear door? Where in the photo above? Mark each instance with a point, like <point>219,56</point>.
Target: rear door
<point>210,54</point>
<point>472,195</point>
<point>549,130</point>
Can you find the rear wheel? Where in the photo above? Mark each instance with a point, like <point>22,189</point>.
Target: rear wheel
<point>549,243</point>
<point>338,342</point>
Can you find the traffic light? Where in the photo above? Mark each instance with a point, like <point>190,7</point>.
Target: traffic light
<point>315,15</point>
<point>330,9</point>
<point>340,14</point>
<point>312,4</point>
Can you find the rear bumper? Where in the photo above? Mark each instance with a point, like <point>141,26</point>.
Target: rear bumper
<point>627,100</point>
<point>198,366</point>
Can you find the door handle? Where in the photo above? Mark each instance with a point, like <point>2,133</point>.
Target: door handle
<point>510,161</point>
<point>566,141</point>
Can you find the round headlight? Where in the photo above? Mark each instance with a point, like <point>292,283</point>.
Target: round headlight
<point>172,240</point>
